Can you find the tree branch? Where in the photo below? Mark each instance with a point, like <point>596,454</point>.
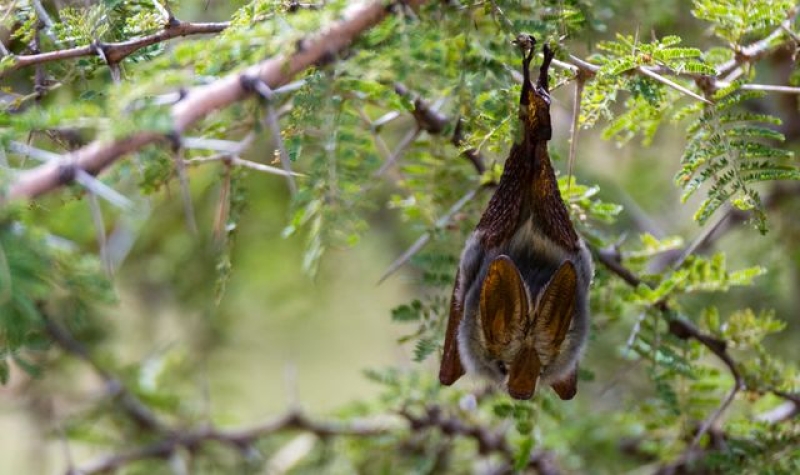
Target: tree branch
<point>277,71</point>
<point>436,123</point>
<point>116,52</point>
<point>203,100</point>
<point>131,405</point>
<point>242,440</point>
<point>488,442</point>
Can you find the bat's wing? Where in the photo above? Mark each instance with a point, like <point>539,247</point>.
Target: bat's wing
<point>451,368</point>
<point>553,318</point>
<point>504,305</point>
<point>567,387</point>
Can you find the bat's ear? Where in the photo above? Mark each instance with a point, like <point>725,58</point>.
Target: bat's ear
<point>555,309</point>
<point>504,304</point>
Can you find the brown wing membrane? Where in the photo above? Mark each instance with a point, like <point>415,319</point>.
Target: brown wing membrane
<point>567,387</point>
<point>555,309</point>
<point>504,304</point>
<point>451,368</point>
<point>523,373</point>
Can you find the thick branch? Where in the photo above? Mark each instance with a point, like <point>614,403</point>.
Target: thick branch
<point>436,123</point>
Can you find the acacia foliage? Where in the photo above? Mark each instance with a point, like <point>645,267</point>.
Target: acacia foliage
<point>339,128</point>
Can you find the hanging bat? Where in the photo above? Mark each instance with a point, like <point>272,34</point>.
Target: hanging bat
<point>519,311</point>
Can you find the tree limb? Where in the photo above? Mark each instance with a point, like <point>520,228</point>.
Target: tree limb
<point>239,439</point>
<point>116,52</point>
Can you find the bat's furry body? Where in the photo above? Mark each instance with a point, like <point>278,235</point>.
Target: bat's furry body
<point>537,262</point>
<point>526,226</point>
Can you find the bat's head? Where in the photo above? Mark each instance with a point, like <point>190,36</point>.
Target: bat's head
<point>534,101</point>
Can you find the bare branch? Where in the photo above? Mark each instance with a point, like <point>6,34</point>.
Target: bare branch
<point>116,52</point>
<point>488,441</point>
<point>653,75</point>
<point>132,406</point>
<point>241,440</point>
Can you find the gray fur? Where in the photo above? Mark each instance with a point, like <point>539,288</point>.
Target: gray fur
<point>537,258</point>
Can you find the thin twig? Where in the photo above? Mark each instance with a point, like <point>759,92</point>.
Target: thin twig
<point>186,192</point>
<point>703,238</point>
<point>116,52</point>
<point>401,147</point>
<point>423,240</point>
<point>573,131</point>
<point>771,88</point>
<point>238,439</point>
<point>240,162</point>
<point>271,120</point>
<point>44,17</point>
<point>714,416</point>
<point>100,232</point>
<point>663,80</point>
<point>130,404</point>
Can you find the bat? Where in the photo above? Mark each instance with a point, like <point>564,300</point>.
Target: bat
<point>519,314</point>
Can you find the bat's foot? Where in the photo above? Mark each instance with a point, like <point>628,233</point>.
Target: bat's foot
<point>544,69</point>
<point>527,44</point>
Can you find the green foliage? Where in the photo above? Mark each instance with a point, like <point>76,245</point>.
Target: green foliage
<point>732,150</point>
<point>627,53</point>
<point>43,276</point>
<point>649,99</point>
<point>739,21</point>
<point>334,203</point>
<point>696,274</point>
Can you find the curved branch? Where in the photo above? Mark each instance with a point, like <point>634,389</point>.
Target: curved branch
<point>238,439</point>
<point>203,100</point>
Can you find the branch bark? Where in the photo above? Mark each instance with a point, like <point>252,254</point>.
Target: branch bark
<point>116,52</point>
